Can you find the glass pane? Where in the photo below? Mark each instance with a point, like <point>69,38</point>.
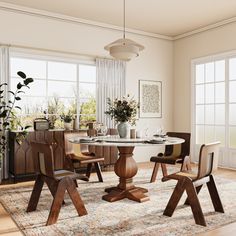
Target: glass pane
<point>62,89</point>
<point>32,68</point>
<point>220,92</point>
<point>87,90</point>
<point>57,105</point>
<point>200,134</point>
<point>200,114</point>
<point>62,71</point>
<point>200,94</point>
<point>36,105</point>
<point>209,114</point>
<point>209,72</point>
<point>232,114</point>
<point>232,69</point>
<point>37,88</point>
<point>209,93</point>
<point>199,74</point>
<point>232,137</point>
<point>209,134</point>
<point>87,73</point>
<point>220,134</point>
<point>220,70</point>
<point>220,114</point>
<point>232,91</point>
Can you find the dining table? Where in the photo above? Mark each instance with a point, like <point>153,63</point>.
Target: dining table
<point>126,167</point>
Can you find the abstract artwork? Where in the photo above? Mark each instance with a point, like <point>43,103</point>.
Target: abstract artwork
<point>150,99</point>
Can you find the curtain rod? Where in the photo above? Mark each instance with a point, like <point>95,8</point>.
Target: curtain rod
<point>88,56</point>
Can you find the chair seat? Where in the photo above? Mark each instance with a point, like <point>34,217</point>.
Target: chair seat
<point>166,159</point>
<point>59,174</point>
<point>190,174</point>
<point>86,158</point>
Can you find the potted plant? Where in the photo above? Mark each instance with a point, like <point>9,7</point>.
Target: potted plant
<point>124,112</point>
<point>8,106</point>
<point>67,119</point>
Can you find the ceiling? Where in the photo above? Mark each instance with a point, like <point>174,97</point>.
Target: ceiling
<point>166,17</point>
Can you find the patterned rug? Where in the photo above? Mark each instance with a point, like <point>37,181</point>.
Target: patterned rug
<point>124,217</point>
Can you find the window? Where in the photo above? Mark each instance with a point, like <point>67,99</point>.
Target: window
<point>59,86</point>
<point>214,105</point>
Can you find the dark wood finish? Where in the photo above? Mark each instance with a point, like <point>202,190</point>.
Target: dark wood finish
<point>81,157</point>
<point>58,183</point>
<point>192,184</point>
<point>126,168</point>
<point>169,157</point>
<point>21,161</point>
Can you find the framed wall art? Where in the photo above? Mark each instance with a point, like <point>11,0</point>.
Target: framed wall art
<point>150,99</point>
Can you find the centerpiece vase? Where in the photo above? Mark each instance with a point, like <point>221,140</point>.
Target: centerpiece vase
<point>123,129</point>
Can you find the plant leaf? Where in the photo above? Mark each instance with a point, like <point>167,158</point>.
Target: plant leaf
<point>28,80</point>
<point>17,98</point>
<point>21,74</point>
<point>11,93</point>
<point>3,114</point>
<point>18,107</point>
<point>27,126</point>
<point>19,86</point>
<point>2,84</point>
<point>21,92</point>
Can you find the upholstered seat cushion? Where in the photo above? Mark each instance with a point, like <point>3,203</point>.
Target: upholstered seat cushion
<point>166,159</point>
<point>59,174</point>
<point>85,158</point>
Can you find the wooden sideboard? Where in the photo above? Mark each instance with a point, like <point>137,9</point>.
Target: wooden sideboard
<point>21,165</point>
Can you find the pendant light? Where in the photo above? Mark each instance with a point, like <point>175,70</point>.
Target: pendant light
<point>124,49</point>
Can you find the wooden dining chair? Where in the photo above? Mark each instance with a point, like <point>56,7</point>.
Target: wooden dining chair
<point>173,154</point>
<point>193,182</point>
<point>78,154</point>
<point>57,181</point>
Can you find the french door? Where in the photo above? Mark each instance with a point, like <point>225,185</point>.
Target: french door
<point>214,106</point>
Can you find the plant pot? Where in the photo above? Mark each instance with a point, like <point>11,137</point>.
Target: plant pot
<point>123,129</point>
<point>67,126</point>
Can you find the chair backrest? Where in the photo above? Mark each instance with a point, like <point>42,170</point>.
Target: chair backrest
<point>208,159</point>
<point>43,158</point>
<point>74,148</point>
<point>182,150</point>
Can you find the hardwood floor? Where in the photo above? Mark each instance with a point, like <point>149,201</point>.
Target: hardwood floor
<point>9,228</point>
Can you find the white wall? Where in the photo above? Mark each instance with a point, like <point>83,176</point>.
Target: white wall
<point>210,42</point>
<point>154,63</point>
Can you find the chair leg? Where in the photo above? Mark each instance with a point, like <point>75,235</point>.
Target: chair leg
<point>154,172</point>
<point>164,172</point>
<point>57,202</point>
<point>195,204</point>
<point>174,199</point>
<point>215,198</point>
<point>34,199</point>
<point>89,168</point>
<point>75,197</point>
<point>98,170</point>
<point>76,184</point>
<point>198,188</point>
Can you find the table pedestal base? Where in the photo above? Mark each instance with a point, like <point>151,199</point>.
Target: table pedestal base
<point>126,168</point>
<point>135,194</point>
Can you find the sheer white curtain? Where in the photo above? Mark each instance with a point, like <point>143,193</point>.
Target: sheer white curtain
<point>4,78</point>
<point>110,84</point>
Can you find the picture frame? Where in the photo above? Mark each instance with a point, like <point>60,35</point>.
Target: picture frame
<point>150,99</point>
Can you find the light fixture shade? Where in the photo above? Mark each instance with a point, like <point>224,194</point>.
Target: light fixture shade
<point>124,49</point>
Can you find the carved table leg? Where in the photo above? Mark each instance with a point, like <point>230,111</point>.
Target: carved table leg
<point>126,168</point>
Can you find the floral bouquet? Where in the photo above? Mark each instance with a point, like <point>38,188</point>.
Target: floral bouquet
<point>123,110</point>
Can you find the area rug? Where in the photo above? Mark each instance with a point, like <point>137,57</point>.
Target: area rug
<point>124,217</point>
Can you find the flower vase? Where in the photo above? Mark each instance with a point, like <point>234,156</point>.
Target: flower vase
<point>123,129</point>
<point>67,126</point>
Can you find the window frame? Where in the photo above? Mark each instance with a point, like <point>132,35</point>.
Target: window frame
<point>53,57</point>
<point>227,153</point>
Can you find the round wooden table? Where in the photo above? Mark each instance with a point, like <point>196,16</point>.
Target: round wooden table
<point>126,167</point>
